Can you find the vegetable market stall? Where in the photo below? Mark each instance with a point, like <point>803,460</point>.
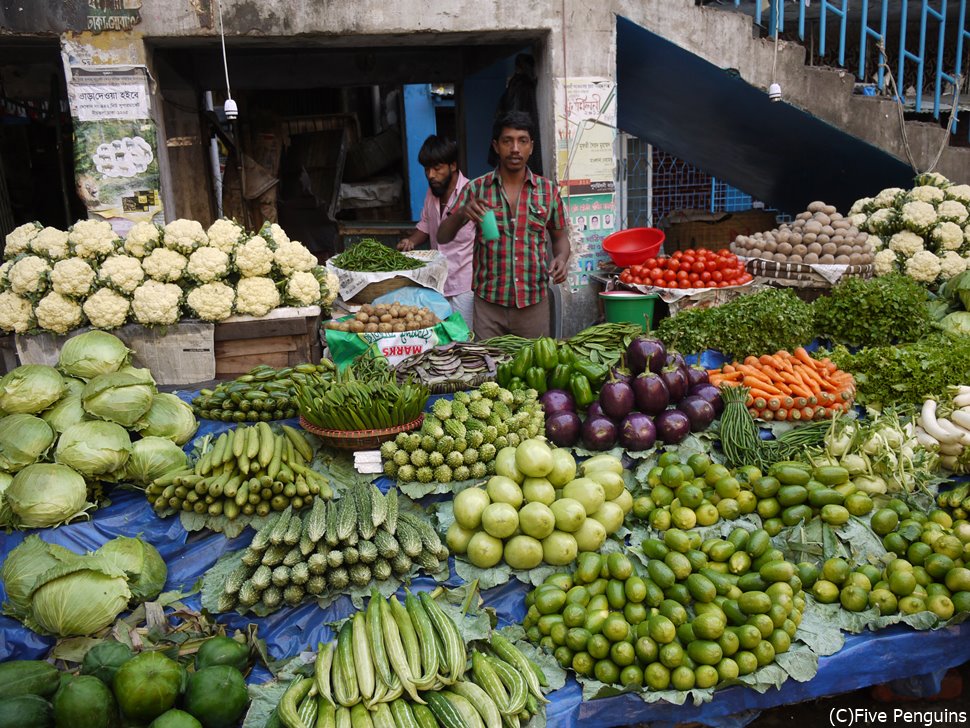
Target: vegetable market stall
<point>865,659</point>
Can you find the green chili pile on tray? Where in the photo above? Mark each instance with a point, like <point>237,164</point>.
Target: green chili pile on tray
<point>372,256</point>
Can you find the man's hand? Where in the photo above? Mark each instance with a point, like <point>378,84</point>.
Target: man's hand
<point>474,209</point>
<point>405,245</point>
<point>557,270</point>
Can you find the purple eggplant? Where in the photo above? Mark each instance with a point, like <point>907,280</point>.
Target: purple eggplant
<point>699,411</point>
<point>651,393</point>
<point>696,375</point>
<point>645,353</point>
<point>557,400</point>
<point>637,432</point>
<point>595,410</point>
<point>616,399</point>
<point>675,378</point>
<point>599,433</point>
<point>563,428</point>
<point>672,425</point>
<point>709,392</point>
<point>620,373</point>
<point>675,358</point>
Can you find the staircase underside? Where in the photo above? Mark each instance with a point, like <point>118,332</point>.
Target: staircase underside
<point>720,123</point>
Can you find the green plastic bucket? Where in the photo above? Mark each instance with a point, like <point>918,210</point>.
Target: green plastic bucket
<point>627,306</point>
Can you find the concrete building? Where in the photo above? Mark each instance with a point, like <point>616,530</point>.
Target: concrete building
<point>335,97</point>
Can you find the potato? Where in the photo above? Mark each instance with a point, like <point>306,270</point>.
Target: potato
<point>810,258</point>
<point>815,248</point>
<point>784,248</point>
<point>795,238</point>
<point>829,209</point>
<point>809,238</point>
<point>842,259</point>
<point>822,238</point>
<point>803,216</point>
<point>356,326</point>
<point>842,224</point>
<point>839,238</point>
<point>827,259</point>
<point>370,328</point>
<point>830,249</point>
<point>373,320</point>
<point>769,246</point>
<point>780,258</point>
<point>861,237</point>
<point>843,250</point>
<point>398,327</point>
<point>822,219</point>
<point>855,259</point>
<point>852,231</point>
<point>816,206</point>
<point>813,226</point>
<point>795,259</point>
<point>828,230</point>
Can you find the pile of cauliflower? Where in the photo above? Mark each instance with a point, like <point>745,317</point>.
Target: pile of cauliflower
<point>923,232</point>
<point>56,281</point>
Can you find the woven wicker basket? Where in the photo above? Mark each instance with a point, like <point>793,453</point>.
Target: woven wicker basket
<point>807,283</point>
<point>359,439</point>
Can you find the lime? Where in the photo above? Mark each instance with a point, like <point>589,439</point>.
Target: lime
<point>661,629</point>
<point>577,638</point>
<point>911,605</point>
<point>884,521</point>
<point>749,636</point>
<point>683,517</point>
<point>635,613</point>
<point>606,672</point>
<point>622,654</point>
<point>662,495</point>
<point>902,583</point>
<point>727,669</point>
<point>620,566</point>
<point>835,570</point>
<point>699,463</point>
<point>746,661</point>
<point>825,591</point>
<point>858,504</point>
<point>671,655</point>
<point>854,599</point>
<point>672,476</point>
<point>682,678</point>
<point>643,506</point>
<point>705,676</point>
<point>646,649</point>
<point>715,472</point>
<point>616,628</point>
<point>583,663</point>
<point>729,487</point>
<point>598,646</point>
<point>656,676</point>
<point>668,458</point>
<point>631,675</point>
<point>941,606</point>
<point>730,643</point>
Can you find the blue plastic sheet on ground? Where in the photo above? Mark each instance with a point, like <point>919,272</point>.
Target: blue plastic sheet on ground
<point>896,653</point>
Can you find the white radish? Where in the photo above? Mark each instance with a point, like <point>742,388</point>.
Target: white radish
<point>961,418</point>
<point>925,439</point>
<point>949,462</point>
<point>952,449</point>
<point>927,419</point>
<point>962,400</point>
<point>962,436</point>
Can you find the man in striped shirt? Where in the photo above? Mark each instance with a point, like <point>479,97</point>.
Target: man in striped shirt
<point>511,275</point>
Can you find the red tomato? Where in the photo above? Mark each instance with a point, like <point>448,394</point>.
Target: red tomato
<point>674,263</point>
<point>670,275</point>
<point>656,272</point>
<point>677,254</point>
<point>717,276</point>
<point>706,276</point>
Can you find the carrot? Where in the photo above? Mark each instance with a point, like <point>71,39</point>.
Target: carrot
<point>764,395</point>
<point>751,361</point>
<point>809,413</point>
<point>766,414</point>
<point>757,402</point>
<point>803,356</point>
<point>755,373</point>
<point>787,402</point>
<point>727,369</point>
<point>774,404</point>
<point>781,414</point>
<point>759,387</point>
<point>801,402</point>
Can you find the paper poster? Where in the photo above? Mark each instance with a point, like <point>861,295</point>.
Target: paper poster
<point>586,167</point>
<point>117,173</point>
<point>99,93</point>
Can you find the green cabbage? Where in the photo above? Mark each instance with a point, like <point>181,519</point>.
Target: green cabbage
<point>80,597</point>
<point>957,323</point>
<point>22,568</point>
<point>121,397</point>
<point>152,457</point>
<point>957,290</point>
<point>96,352</point>
<point>97,450</point>
<point>24,439</point>
<point>46,495</point>
<point>30,388</point>
<point>141,563</point>
<point>169,417</point>
<point>67,412</point>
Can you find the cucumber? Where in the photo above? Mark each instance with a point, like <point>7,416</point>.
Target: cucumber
<point>28,677</point>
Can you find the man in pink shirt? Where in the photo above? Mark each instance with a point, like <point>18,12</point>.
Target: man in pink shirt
<point>439,157</point>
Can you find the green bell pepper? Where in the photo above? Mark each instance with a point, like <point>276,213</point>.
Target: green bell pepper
<point>559,377</point>
<point>566,355</point>
<point>544,353</point>
<point>581,391</point>
<point>535,378</point>
<point>503,375</point>
<point>521,362</point>
<point>515,383</point>
<point>595,373</point>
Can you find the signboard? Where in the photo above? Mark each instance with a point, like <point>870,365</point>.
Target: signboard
<point>97,93</point>
<point>586,168</point>
<point>113,14</point>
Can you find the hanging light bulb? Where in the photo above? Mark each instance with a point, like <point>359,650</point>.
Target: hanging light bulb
<point>774,92</point>
<point>229,108</point>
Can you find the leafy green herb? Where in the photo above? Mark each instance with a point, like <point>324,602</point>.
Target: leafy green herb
<point>767,321</point>
<point>877,312</point>
<point>907,374</point>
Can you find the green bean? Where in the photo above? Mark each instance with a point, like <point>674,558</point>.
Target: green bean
<point>371,256</point>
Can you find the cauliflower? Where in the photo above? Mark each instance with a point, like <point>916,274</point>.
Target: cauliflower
<point>960,193</point>
<point>859,206</point>
<point>106,309</point>
<point>931,178</point>
<point>224,234</point>
<point>947,235</point>
<point>918,216</point>
<point>256,296</point>
<point>886,198</point>
<point>212,301</point>
<point>274,234</point>
<point>906,243</point>
<point>72,277</point>
<point>923,267</point>
<point>292,257</point>
<point>303,289</point>
<point>875,241</point>
<point>952,211</point>
<point>156,303</point>
<point>184,235</point>
<point>51,243</point>
<point>881,222</point>
<point>92,238</point>
<point>926,193</point>
<point>333,287</point>
<point>28,275</point>
<point>16,313</point>
<point>18,239</point>
<point>254,258</point>
<point>164,265</point>
<point>857,220</point>
<point>885,262</point>
<point>142,237</point>
<point>951,264</point>
<point>4,269</point>
<point>208,264</point>
<point>58,313</point>
<point>122,272</point>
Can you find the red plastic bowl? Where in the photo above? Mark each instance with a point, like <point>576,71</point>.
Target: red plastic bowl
<point>633,246</point>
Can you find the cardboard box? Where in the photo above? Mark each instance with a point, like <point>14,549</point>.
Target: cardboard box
<point>712,230</point>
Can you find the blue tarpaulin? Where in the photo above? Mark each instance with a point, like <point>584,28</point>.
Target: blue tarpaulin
<point>866,659</point>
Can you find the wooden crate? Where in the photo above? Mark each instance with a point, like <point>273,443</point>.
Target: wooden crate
<point>276,341</point>
<point>700,229</point>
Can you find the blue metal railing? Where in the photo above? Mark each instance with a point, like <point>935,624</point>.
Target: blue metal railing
<point>945,78</point>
